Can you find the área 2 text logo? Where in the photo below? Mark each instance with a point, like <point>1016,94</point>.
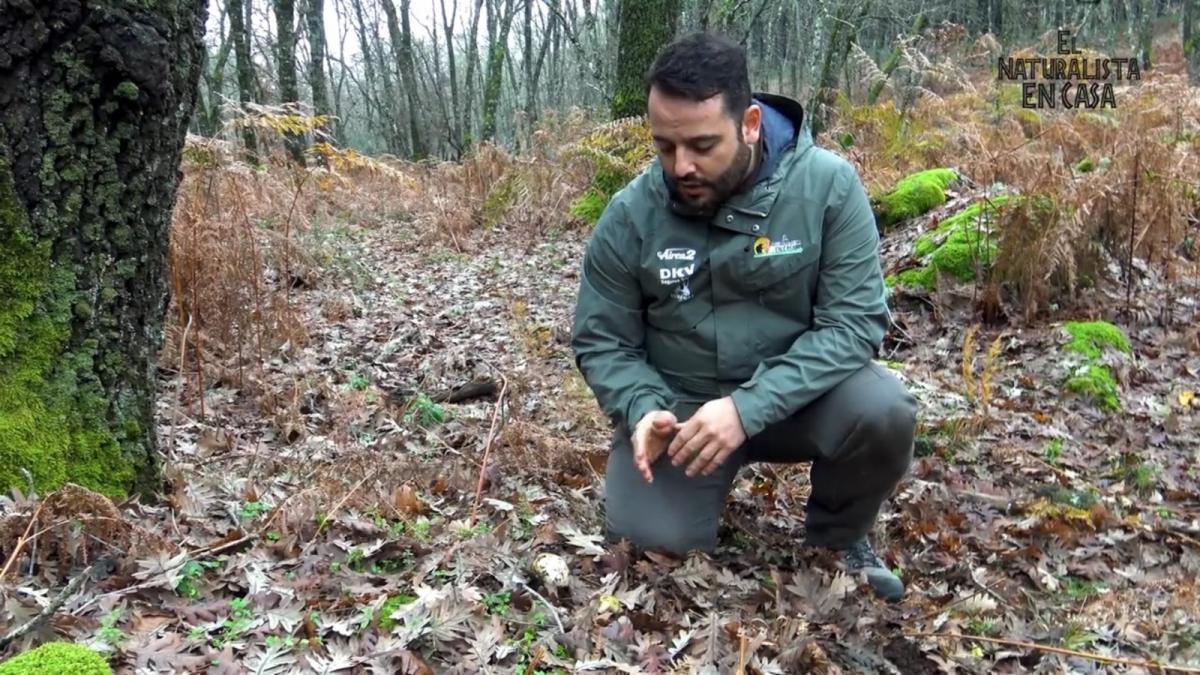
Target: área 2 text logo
<point>687,254</point>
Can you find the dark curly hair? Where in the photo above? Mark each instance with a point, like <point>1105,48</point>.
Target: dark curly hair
<point>701,65</point>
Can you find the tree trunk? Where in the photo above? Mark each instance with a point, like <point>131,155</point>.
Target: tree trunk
<point>390,107</point>
<point>1191,39</point>
<point>95,99</point>
<point>411,85</point>
<point>401,41</point>
<point>315,20</point>
<point>497,52</point>
<point>208,117</point>
<point>448,21</point>
<point>996,19</point>
<point>468,126</point>
<point>845,25</point>
<point>646,26</point>
<point>527,65</point>
<point>285,57</point>
<point>245,75</point>
<point>893,60</point>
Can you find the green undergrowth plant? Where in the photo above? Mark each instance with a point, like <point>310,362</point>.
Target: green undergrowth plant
<point>615,152</point>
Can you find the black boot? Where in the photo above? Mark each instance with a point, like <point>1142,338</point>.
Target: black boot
<point>860,557</point>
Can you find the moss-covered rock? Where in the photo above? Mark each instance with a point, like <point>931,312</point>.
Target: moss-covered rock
<point>957,247</point>
<point>1089,338</point>
<point>1088,375</point>
<point>1098,384</point>
<point>57,658</point>
<point>914,195</point>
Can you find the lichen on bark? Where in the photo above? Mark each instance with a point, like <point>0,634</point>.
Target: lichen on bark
<point>94,101</point>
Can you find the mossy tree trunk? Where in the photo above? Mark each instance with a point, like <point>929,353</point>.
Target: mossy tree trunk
<point>468,121</point>
<point>646,26</point>
<point>285,57</point>
<point>846,21</point>
<point>314,16</point>
<point>893,60</point>
<point>245,72</point>
<point>1191,39</point>
<point>448,21</point>
<point>208,116</point>
<point>400,38</point>
<point>95,99</point>
<point>498,27</point>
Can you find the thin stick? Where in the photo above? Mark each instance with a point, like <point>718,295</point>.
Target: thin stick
<point>536,660</point>
<point>741,668</point>
<point>487,449</point>
<point>1059,650</point>
<point>553,610</point>
<point>12,558</point>
<point>329,516</point>
<point>48,610</point>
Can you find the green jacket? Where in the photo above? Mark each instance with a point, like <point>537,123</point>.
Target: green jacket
<point>773,298</point>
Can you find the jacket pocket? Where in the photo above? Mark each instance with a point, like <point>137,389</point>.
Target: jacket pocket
<point>672,316</point>
<point>768,272</point>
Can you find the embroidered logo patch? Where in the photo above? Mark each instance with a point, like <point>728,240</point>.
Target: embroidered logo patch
<point>764,247</point>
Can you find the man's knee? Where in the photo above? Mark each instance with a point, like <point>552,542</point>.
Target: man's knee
<point>674,513</point>
<point>889,423</point>
<point>658,531</point>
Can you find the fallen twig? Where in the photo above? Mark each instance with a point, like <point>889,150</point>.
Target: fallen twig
<point>487,449</point>
<point>329,516</point>
<point>1112,660</point>
<point>49,610</point>
<point>552,608</point>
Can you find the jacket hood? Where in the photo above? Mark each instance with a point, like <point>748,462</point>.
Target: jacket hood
<point>782,130</point>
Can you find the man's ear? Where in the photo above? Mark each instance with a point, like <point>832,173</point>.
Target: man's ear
<point>752,123</point>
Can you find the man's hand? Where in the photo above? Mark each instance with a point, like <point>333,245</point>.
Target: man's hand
<point>650,440</point>
<point>708,437</point>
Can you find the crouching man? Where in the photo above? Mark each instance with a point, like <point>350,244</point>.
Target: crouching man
<point>731,302</point>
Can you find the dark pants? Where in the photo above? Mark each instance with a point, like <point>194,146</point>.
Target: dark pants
<point>858,436</point>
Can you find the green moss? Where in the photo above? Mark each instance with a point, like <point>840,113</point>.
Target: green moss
<point>393,603</point>
<point>57,658</point>
<point>957,246</point>
<point>963,252</point>
<point>1085,165</point>
<point>500,199</point>
<point>1089,338</point>
<point>127,90</point>
<point>52,418</point>
<point>921,277</point>
<point>913,195</point>
<point>1097,383</point>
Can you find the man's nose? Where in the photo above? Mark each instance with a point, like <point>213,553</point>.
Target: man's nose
<point>685,165</point>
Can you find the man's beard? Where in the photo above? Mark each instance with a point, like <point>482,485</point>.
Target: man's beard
<point>720,189</point>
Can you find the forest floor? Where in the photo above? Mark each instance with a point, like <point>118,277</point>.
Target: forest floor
<point>329,513</point>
